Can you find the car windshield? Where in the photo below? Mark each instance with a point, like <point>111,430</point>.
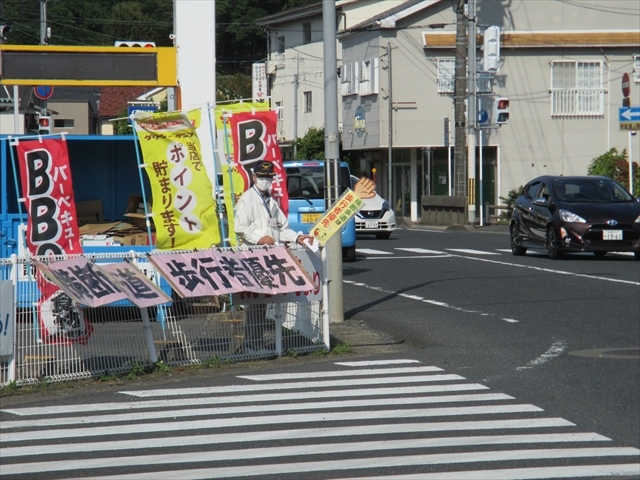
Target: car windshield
<point>594,190</point>
<point>308,182</point>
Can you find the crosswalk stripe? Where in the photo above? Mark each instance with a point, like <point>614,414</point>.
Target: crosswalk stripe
<point>386,462</point>
<point>341,373</point>
<point>267,420</point>
<point>533,473</point>
<point>297,427</point>
<point>273,435</point>
<point>370,363</point>
<point>316,449</point>
<point>211,411</point>
<point>268,397</point>
<point>172,392</point>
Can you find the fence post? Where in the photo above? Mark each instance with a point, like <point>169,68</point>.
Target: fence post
<point>14,279</point>
<point>153,355</point>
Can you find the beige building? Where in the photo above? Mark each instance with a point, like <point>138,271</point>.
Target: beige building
<point>560,65</point>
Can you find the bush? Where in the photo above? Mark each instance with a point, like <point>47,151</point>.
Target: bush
<point>509,200</point>
<point>615,165</point>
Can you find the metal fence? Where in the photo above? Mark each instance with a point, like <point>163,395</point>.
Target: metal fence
<point>120,338</point>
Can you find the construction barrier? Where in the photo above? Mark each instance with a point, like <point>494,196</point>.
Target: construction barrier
<point>70,341</point>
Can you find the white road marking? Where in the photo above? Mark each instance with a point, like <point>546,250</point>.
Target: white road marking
<point>533,473</point>
<point>554,351</point>
<point>318,449</point>
<point>313,433</point>
<point>421,250</point>
<point>510,320</point>
<point>141,428</point>
<point>549,270</point>
<point>340,373</point>
<point>172,392</point>
<point>231,399</point>
<point>239,410</point>
<point>474,252</point>
<point>370,251</point>
<point>362,463</point>
<point>367,363</point>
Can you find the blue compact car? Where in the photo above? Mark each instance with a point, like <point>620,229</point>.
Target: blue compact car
<point>306,188</point>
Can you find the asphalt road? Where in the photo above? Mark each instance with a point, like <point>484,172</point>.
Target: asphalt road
<point>563,334</point>
<point>465,363</point>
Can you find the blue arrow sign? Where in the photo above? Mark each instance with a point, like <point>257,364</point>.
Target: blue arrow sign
<point>629,114</point>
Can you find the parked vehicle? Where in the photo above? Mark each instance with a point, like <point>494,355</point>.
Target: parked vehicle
<point>375,217</point>
<point>575,214</point>
<point>306,188</point>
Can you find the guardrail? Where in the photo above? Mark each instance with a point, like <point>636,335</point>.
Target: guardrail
<point>492,218</point>
<point>83,342</point>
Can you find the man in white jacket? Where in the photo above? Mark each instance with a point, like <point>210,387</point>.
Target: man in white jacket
<point>258,220</point>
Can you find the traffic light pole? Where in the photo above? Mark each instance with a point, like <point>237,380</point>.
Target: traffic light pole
<point>460,94</point>
<point>334,300</point>
<point>472,116</point>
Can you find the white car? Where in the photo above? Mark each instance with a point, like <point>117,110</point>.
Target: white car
<point>375,217</point>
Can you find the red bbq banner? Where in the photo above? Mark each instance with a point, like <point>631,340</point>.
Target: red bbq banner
<point>52,229</point>
<point>254,140</point>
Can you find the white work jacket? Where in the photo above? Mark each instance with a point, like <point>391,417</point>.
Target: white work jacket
<point>252,215</point>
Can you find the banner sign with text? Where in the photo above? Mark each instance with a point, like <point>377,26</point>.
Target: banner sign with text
<point>195,274</point>
<point>52,229</point>
<point>255,140</point>
<point>336,217</point>
<point>235,178</point>
<point>311,263</point>
<point>94,286</point>
<point>183,204</point>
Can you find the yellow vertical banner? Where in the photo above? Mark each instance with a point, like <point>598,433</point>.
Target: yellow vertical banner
<point>235,180</point>
<point>183,207</point>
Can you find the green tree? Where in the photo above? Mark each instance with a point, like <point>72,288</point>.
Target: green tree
<point>615,165</point>
<point>233,87</point>
<point>311,146</point>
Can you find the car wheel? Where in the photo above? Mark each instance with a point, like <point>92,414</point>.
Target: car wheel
<point>516,249</point>
<point>349,254</point>
<point>552,244</point>
<point>383,235</point>
<point>637,255</point>
<point>600,254</point>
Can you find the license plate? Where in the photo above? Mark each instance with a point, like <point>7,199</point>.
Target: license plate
<point>612,234</point>
<point>371,224</point>
<point>310,217</point>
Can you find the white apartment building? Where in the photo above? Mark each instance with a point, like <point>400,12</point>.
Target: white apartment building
<point>561,64</point>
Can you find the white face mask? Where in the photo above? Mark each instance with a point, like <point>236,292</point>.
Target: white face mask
<point>263,184</point>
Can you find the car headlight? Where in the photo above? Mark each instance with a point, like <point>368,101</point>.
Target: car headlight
<point>571,217</point>
<point>386,206</point>
<point>637,219</point>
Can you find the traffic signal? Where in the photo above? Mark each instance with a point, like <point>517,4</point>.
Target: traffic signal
<point>501,111</point>
<point>44,125</point>
<point>135,44</point>
<point>491,49</point>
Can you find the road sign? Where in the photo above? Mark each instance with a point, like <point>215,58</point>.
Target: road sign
<point>483,116</point>
<point>43,92</point>
<point>629,114</point>
<point>626,85</point>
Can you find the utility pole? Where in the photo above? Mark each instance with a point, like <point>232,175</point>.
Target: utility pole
<point>472,115</point>
<point>296,82</point>
<point>43,22</point>
<point>335,298</point>
<point>459,96</point>
<point>389,94</point>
